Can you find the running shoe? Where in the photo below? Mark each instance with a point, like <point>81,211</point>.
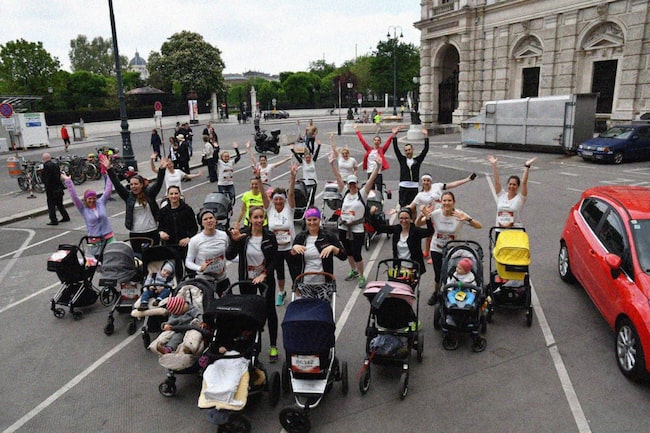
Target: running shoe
<point>273,354</point>
<point>362,282</point>
<point>279,300</point>
<point>351,275</point>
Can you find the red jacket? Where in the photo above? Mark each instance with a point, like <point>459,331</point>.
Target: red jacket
<point>64,133</point>
<point>381,151</point>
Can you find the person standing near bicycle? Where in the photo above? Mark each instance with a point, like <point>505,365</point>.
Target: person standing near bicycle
<point>51,178</point>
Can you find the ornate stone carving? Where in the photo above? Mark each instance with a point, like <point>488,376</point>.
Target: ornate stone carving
<point>605,35</point>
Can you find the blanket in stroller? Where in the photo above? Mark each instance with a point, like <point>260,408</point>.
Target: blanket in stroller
<point>222,378</point>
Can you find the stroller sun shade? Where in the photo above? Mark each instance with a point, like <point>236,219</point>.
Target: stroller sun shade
<point>308,327</point>
<point>225,310</point>
<point>119,262</point>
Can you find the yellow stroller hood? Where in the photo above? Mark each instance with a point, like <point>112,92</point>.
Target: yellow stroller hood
<point>512,254</point>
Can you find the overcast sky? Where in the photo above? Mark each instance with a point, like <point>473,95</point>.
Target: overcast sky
<point>261,35</point>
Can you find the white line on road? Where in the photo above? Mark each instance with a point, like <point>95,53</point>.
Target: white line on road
<point>68,386</point>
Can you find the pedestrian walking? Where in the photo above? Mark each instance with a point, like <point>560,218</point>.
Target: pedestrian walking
<point>65,136</point>
<point>156,142</point>
<point>53,190</point>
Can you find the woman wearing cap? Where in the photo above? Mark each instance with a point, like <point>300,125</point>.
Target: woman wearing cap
<point>407,237</point>
<point>257,247</point>
<point>206,252</point>
<point>141,216</point>
<point>448,223</point>
<point>173,177</point>
<point>176,222</point>
<point>375,153</point>
<point>93,211</point>
<point>511,202</point>
<point>280,209</point>
<point>316,248</point>
<point>351,222</point>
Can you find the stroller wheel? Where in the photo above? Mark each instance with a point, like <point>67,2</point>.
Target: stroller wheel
<point>403,385</point>
<point>529,317</point>
<point>366,241</point>
<point>131,328</point>
<point>286,380</point>
<point>420,347</point>
<point>167,388</point>
<point>479,344</point>
<point>59,313</point>
<point>77,315</point>
<point>146,339</point>
<point>344,377</point>
<point>107,296</point>
<point>109,328</point>
<point>294,420</point>
<point>450,342</point>
<point>274,390</point>
<point>364,380</point>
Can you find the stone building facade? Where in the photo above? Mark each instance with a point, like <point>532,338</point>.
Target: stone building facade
<point>474,51</point>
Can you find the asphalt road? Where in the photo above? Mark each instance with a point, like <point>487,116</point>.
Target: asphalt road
<point>60,375</point>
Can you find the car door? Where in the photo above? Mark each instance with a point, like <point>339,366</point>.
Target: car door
<point>642,143</point>
<point>583,240</point>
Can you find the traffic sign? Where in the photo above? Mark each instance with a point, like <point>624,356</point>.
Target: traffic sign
<point>6,110</point>
<point>157,106</point>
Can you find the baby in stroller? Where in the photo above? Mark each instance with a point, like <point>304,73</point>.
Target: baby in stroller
<point>463,273</point>
<point>182,318</point>
<point>157,284</point>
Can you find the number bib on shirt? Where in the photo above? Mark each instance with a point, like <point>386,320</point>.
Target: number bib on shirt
<point>505,218</point>
<point>441,239</point>
<point>217,266</point>
<point>255,271</point>
<point>282,236</point>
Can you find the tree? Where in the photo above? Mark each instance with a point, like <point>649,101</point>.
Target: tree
<point>86,89</point>
<point>381,70</point>
<point>300,88</point>
<point>95,57</point>
<point>26,67</point>
<point>321,68</point>
<point>187,62</point>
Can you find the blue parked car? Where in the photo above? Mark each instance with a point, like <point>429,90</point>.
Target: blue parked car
<point>618,143</point>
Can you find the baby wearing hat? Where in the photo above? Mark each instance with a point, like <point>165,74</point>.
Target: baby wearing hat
<point>463,272</point>
<point>181,316</point>
<point>157,284</point>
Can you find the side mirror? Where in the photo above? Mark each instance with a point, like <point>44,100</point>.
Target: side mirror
<point>614,262</point>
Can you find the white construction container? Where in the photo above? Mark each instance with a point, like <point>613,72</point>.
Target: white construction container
<point>552,123</point>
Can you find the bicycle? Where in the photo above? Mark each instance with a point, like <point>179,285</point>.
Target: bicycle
<point>30,177</point>
<point>73,166</point>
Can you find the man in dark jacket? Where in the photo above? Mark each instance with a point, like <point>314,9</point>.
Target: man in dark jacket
<point>409,170</point>
<point>53,190</point>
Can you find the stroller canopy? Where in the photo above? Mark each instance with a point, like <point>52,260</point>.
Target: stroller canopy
<point>512,254</point>
<point>229,309</point>
<point>308,327</point>
<point>220,203</point>
<point>119,262</point>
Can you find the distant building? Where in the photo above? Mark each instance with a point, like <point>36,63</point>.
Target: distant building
<point>474,51</point>
<point>138,64</point>
<point>243,78</point>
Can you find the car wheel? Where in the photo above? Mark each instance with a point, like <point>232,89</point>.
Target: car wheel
<point>618,157</point>
<point>563,265</point>
<point>629,352</point>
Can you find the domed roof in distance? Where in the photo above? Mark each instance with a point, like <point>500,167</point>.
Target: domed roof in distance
<point>137,60</point>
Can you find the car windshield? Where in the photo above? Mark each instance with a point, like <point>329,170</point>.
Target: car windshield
<point>619,132</point>
<point>641,235</point>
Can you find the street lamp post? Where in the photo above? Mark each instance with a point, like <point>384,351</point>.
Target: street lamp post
<point>127,149</point>
<point>339,125</point>
<point>401,35</point>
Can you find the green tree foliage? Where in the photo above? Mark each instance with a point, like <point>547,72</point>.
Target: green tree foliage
<point>321,68</point>
<point>381,69</point>
<point>26,67</point>
<point>86,88</point>
<point>95,56</point>
<point>188,62</point>
<point>301,88</point>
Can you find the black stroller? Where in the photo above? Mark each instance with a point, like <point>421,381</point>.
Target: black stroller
<point>332,201</point>
<point>393,326</point>
<point>235,372</point>
<point>509,287</point>
<point>463,305</point>
<point>75,270</point>
<point>305,192</point>
<point>311,365</point>
<point>197,292</point>
<point>221,203</point>
<point>375,198</point>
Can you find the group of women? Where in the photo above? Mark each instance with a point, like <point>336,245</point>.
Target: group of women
<point>267,240</point>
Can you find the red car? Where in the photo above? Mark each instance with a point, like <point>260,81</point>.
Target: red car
<point>605,246</point>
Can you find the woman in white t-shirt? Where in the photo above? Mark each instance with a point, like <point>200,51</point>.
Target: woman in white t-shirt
<point>262,166</point>
<point>206,252</point>
<point>173,177</point>
<point>308,165</point>
<point>347,165</point>
<point>226,170</point>
<point>510,203</point>
<point>448,223</point>
<point>280,209</point>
